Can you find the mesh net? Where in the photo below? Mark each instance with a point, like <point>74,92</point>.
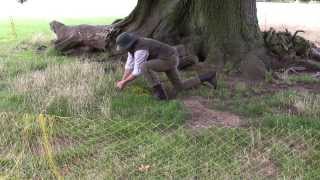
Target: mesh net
<point>55,147</point>
<point>75,125</point>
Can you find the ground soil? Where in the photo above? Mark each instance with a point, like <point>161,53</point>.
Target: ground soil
<point>261,164</point>
<point>200,116</point>
<point>58,144</point>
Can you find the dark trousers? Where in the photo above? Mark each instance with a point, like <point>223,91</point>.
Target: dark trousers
<point>170,67</point>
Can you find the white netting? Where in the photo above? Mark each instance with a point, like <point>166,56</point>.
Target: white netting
<point>104,134</point>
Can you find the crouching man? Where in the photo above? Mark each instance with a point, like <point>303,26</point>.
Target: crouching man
<point>147,57</point>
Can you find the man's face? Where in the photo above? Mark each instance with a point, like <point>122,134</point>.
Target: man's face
<point>121,50</point>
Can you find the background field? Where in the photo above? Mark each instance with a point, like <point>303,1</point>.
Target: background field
<point>61,117</point>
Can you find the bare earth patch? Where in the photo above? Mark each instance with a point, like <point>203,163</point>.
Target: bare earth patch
<point>203,117</point>
<point>260,165</point>
<point>58,144</point>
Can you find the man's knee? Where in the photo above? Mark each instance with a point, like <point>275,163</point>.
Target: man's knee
<point>144,67</point>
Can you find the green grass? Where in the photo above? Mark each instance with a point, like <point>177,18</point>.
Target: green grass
<point>306,78</point>
<point>97,132</point>
<point>25,27</point>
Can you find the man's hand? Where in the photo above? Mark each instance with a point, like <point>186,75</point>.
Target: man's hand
<point>121,84</point>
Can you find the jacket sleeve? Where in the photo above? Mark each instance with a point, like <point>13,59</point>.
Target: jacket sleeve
<point>130,62</point>
<point>140,57</point>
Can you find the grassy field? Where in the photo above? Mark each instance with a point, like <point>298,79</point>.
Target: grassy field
<point>61,117</point>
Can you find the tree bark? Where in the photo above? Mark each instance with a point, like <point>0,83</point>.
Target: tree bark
<point>219,32</point>
<point>74,40</point>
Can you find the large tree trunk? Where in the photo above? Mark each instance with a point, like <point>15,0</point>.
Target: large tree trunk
<point>219,32</point>
<point>230,25</point>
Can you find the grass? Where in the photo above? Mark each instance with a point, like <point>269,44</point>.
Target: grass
<point>306,78</point>
<point>89,130</point>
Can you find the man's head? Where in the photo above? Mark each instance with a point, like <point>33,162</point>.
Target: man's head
<point>125,41</point>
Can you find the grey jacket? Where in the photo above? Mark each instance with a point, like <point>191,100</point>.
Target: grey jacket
<point>156,49</point>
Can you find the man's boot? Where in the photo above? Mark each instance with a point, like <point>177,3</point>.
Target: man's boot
<point>159,92</point>
<point>210,77</point>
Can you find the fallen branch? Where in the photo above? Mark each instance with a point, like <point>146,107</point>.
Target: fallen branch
<point>315,53</point>
<point>310,65</point>
<point>81,38</point>
<point>295,36</point>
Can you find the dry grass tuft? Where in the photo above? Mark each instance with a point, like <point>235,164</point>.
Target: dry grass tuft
<point>304,104</point>
<point>2,70</point>
<point>75,84</point>
<point>258,164</point>
<point>307,104</point>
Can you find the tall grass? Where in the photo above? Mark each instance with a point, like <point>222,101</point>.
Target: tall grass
<point>65,89</point>
<point>304,104</point>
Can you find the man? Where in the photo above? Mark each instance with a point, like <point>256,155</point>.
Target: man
<point>147,57</point>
